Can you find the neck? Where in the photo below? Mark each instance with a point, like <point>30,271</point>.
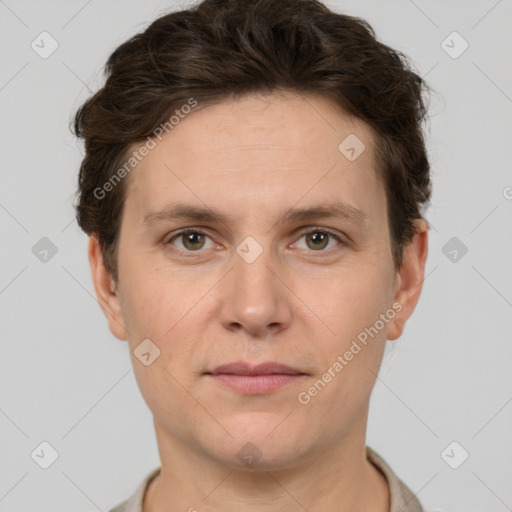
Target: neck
<point>339,479</point>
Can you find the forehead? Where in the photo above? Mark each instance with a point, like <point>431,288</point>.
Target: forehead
<point>271,149</point>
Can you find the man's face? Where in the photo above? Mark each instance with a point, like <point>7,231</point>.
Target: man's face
<point>259,285</point>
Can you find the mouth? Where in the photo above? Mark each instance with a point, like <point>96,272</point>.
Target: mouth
<point>255,380</point>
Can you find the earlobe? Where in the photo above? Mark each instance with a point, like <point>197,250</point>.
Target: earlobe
<point>410,278</point>
<point>105,288</point>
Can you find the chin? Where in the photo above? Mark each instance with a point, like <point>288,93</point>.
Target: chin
<point>262,444</point>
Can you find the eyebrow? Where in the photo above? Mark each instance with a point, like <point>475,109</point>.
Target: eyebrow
<point>332,209</point>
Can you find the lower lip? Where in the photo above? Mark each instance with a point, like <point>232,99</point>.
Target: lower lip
<point>256,384</point>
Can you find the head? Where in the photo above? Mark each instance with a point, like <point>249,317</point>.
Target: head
<point>288,141</point>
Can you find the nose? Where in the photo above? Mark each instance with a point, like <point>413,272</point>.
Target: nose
<point>254,297</point>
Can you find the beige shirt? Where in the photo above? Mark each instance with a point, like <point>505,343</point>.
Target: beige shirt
<point>402,499</point>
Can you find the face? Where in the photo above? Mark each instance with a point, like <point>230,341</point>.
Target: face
<point>249,239</point>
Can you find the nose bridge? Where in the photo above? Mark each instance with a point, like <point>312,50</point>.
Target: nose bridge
<point>252,271</point>
<point>255,298</point>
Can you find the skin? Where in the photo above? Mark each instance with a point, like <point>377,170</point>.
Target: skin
<point>295,304</point>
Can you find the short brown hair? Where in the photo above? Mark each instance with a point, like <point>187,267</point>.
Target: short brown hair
<point>222,49</point>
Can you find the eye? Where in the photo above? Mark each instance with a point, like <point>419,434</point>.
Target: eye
<point>191,240</point>
<point>318,239</point>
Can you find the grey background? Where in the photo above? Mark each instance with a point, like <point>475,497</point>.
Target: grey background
<point>65,380</point>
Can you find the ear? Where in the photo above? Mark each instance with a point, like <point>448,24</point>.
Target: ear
<point>409,279</point>
<point>105,288</point>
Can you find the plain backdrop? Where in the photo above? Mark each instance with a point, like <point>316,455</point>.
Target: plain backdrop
<point>65,380</point>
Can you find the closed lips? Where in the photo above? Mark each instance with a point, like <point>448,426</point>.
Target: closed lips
<point>261,369</point>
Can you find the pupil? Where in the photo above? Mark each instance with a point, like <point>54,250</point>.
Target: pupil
<point>192,239</point>
<point>318,239</point>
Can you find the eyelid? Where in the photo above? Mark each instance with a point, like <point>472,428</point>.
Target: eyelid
<point>313,229</point>
<point>319,229</point>
<point>174,235</point>
<point>303,231</point>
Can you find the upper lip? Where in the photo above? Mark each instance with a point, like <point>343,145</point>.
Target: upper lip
<point>241,368</point>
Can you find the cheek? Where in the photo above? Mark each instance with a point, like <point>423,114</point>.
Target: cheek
<point>155,299</point>
<point>354,300</point>
<point>171,309</point>
<point>350,358</point>
<point>162,309</point>
<point>352,307</point>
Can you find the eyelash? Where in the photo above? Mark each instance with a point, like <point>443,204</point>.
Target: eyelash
<point>168,242</point>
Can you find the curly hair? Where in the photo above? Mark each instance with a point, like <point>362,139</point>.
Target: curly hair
<point>222,49</point>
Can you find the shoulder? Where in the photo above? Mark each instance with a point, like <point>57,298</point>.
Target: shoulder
<point>135,501</point>
<point>401,497</point>
<point>120,508</point>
